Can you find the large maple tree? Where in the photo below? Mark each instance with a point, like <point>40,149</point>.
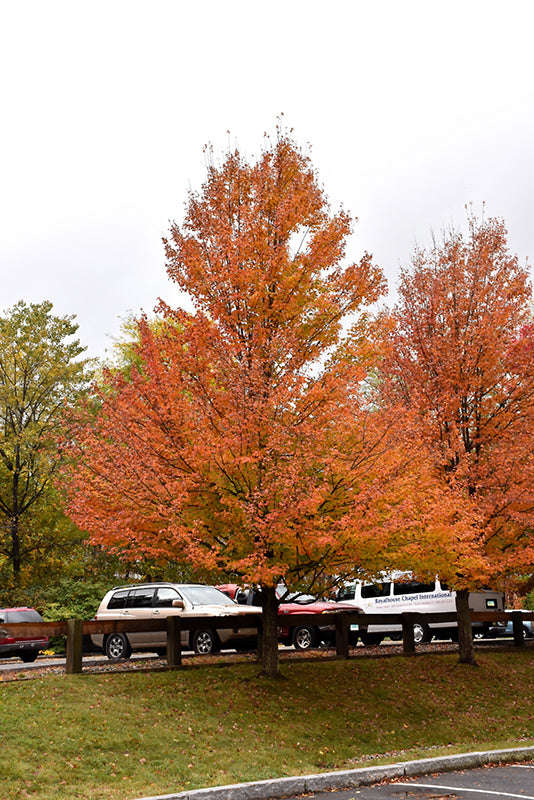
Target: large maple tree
<point>461,363</point>
<point>243,440</point>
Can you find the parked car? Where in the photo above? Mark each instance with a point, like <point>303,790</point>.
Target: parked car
<point>302,636</point>
<point>158,601</point>
<point>507,629</point>
<point>25,647</point>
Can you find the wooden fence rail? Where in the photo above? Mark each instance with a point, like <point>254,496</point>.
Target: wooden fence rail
<point>74,630</point>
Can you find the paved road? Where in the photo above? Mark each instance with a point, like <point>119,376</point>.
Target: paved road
<point>15,665</point>
<point>94,659</point>
<point>487,783</point>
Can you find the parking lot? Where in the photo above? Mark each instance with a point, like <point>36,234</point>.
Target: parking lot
<point>486,783</point>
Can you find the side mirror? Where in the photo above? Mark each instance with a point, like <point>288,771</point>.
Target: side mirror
<point>178,604</point>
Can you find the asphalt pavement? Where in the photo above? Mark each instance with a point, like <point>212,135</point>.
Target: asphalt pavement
<point>483,775</point>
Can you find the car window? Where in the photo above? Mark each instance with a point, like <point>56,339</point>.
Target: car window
<point>118,600</point>
<point>248,597</point>
<point>298,597</point>
<point>165,596</point>
<point>413,587</point>
<point>22,616</point>
<point>375,590</point>
<point>285,596</point>
<point>141,598</point>
<point>206,595</point>
<point>346,593</point>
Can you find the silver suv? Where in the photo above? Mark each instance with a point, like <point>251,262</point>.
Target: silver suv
<point>159,600</point>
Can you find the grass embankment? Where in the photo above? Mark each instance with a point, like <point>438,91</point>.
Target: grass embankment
<point>128,735</point>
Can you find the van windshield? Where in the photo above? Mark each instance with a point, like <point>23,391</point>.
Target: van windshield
<point>346,593</point>
<point>206,596</point>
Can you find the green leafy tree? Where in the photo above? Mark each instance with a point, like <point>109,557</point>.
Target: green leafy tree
<point>41,378</point>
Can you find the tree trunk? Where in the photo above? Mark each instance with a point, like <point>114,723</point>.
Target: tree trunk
<point>269,643</point>
<point>14,526</point>
<point>465,631</point>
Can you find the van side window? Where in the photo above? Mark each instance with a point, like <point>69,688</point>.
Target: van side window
<point>141,598</point>
<point>413,587</point>
<point>375,590</point>
<point>118,600</point>
<point>346,593</point>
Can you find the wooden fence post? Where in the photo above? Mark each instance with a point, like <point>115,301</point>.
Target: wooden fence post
<point>517,623</point>
<point>73,663</point>
<point>408,641</point>
<point>174,641</point>
<point>342,635</point>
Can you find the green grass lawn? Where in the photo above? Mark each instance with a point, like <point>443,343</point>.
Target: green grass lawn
<point>130,734</point>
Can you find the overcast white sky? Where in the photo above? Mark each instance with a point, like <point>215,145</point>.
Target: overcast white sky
<point>412,109</point>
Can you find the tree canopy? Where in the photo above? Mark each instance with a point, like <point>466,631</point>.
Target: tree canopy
<point>461,363</point>
<point>41,375</point>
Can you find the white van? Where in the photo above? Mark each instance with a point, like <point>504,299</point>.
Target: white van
<point>400,592</point>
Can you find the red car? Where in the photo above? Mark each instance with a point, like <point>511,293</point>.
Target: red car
<point>302,637</point>
<point>27,648</point>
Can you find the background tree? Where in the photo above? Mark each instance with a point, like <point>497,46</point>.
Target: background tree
<point>123,355</point>
<point>245,442</point>
<point>41,375</point>
<point>461,363</point>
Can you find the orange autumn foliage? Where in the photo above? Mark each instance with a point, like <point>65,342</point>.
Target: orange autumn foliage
<point>245,441</point>
<point>461,363</point>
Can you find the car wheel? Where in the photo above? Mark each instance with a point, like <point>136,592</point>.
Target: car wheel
<point>421,633</point>
<point>304,638</point>
<point>30,656</point>
<point>118,647</point>
<point>371,638</point>
<point>205,642</point>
